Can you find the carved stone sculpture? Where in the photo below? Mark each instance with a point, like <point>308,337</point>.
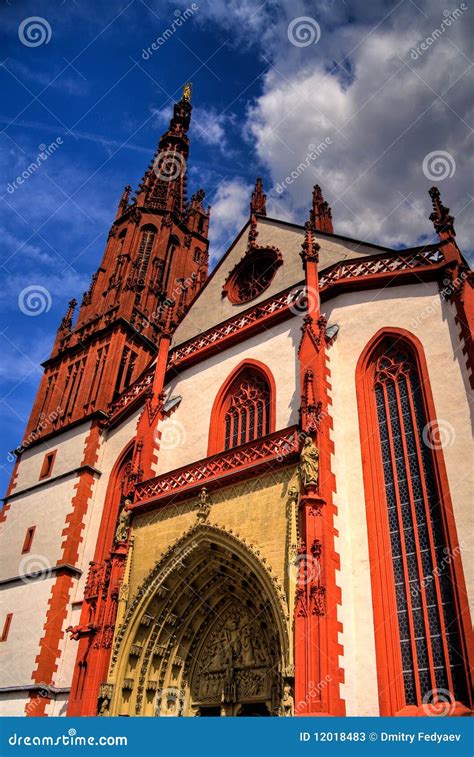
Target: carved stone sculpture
<point>287,704</point>
<point>309,463</point>
<point>123,523</point>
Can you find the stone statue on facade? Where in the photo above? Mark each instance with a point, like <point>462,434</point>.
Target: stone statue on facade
<point>309,463</point>
<point>287,704</point>
<point>123,523</point>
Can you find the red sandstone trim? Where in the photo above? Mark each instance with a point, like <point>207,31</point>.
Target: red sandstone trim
<point>49,647</point>
<point>387,641</point>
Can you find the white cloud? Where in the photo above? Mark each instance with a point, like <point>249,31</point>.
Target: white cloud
<point>382,123</point>
<point>384,108</point>
<point>229,213</point>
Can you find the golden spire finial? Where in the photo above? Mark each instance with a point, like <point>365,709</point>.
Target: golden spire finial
<point>187,89</point>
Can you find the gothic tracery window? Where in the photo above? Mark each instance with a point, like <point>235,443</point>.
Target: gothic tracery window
<point>147,241</point>
<point>246,409</point>
<point>251,276</point>
<point>427,617</point>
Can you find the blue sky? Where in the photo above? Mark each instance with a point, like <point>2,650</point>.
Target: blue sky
<point>262,95</point>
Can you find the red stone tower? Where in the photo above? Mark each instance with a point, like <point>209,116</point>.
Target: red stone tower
<point>154,262</point>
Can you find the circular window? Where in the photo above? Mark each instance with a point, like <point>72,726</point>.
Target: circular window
<point>251,277</point>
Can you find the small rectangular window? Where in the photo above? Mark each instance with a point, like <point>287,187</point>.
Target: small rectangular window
<point>30,532</point>
<point>47,467</point>
<point>6,627</point>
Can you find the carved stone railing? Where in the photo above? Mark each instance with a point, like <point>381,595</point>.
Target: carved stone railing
<point>378,264</point>
<point>280,447</point>
<point>234,325</point>
<point>135,390</point>
<point>215,338</point>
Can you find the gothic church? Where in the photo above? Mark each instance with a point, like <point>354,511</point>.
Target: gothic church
<point>246,493</point>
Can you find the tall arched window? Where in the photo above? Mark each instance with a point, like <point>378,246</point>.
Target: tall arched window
<point>244,408</point>
<point>147,241</point>
<point>420,646</point>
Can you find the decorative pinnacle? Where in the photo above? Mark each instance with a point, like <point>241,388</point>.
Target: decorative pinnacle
<point>258,203</point>
<point>320,214</point>
<point>442,221</point>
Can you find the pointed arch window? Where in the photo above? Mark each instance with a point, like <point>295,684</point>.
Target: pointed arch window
<point>418,614</point>
<point>147,241</point>
<point>244,409</point>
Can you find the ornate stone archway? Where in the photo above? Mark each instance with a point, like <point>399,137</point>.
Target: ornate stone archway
<point>206,634</point>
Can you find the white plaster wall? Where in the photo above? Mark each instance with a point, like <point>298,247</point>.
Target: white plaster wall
<point>360,315</point>
<point>211,308</point>
<point>12,704</point>
<point>28,603</point>
<point>46,508</point>
<point>185,434</point>
<point>110,449</point>
<point>70,446</point>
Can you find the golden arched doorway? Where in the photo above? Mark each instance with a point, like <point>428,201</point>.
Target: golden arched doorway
<point>206,635</point>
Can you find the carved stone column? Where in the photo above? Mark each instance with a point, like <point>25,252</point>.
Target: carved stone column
<point>317,649</point>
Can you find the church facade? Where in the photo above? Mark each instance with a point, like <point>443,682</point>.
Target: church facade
<point>246,493</point>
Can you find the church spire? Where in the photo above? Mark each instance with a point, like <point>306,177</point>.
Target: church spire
<point>164,185</point>
<point>442,221</point>
<point>258,203</point>
<point>320,215</point>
